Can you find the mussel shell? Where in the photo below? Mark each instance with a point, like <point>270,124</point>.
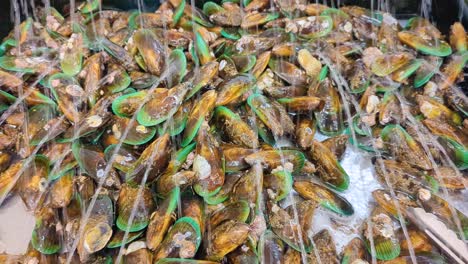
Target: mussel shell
<point>135,134</point>
<point>237,130</point>
<point>389,63</point>
<point>182,240</point>
<point>381,228</point>
<point>436,48</point>
<point>401,176</point>
<point>61,191</point>
<point>278,184</point>
<point>232,89</point>
<point>126,105</point>
<point>161,219</point>
<point>196,117</point>
<point>45,237</point>
<point>388,202</point>
<point>305,131</point>
<point>328,167</point>
<point>288,229</point>
<point>152,161</point>
<point>271,159</point>
<point>354,250</point>
<point>151,50</point>
<point>271,113</point>
<point>159,109</point>
<point>238,211</point>
<point>270,248</point>
<point>117,239</point>
<point>208,164</point>
<point>325,197</point>
<point>128,202</point>
<point>325,245</point>
<point>404,148</point>
<point>226,237</point>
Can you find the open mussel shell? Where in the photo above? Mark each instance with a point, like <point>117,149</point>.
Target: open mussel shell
<point>325,197</point>
<point>97,233</point>
<point>181,241</point>
<point>161,219</point>
<point>272,159</point>
<point>133,201</point>
<point>381,230</point>
<point>45,237</point>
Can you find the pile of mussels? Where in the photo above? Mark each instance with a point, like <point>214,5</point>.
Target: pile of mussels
<point>187,135</point>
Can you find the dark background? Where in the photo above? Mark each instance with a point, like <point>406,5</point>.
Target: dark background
<point>444,12</point>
